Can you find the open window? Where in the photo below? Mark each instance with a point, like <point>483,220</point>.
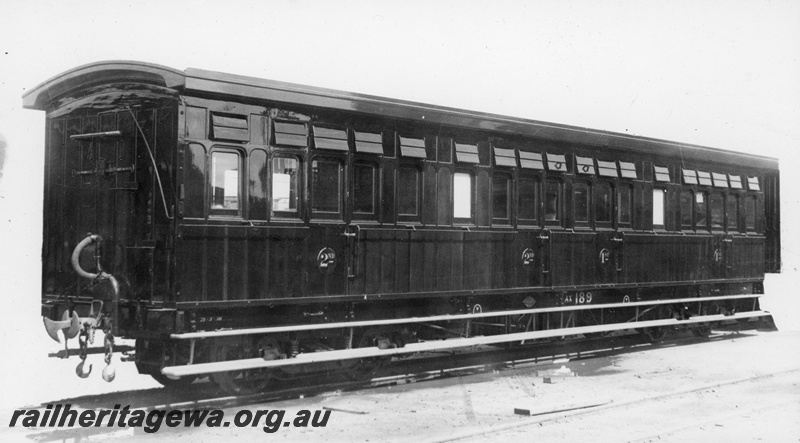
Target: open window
<point>553,202</point>
<point>285,186</point>
<point>659,207</point>
<point>701,210</point>
<point>225,181</point>
<point>463,193</point>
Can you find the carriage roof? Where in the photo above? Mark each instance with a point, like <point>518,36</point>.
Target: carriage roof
<point>50,94</point>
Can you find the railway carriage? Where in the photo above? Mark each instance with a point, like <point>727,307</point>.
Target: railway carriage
<point>251,230</point>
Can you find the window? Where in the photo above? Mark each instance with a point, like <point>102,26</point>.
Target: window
<point>736,181</point>
<point>467,153</point>
<point>603,203</point>
<point>687,208</point>
<point>704,178</point>
<point>501,191</point>
<point>528,198</point>
<point>407,191</point>
<point>194,181</point>
<point>328,138</point>
<point>505,157</point>
<point>369,142</point>
<point>556,162</point>
<point>225,184</point>
<point>717,211</point>
<point>530,160</point>
<point>624,203</point>
<point>700,215</point>
<point>689,177</point>
<point>462,196</point>
<point>258,206</point>
<point>413,147</point>
<point>284,184</point>
<point>585,165</point>
<point>750,212</point>
<point>732,208</point>
<point>229,127</point>
<point>290,134</point>
<point>662,174</point>
<point>326,178</point>
<point>629,171</point>
<point>752,184</point>
<point>608,169</point>
<point>658,207</point>
<point>720,180</point>
<point>580,202</point>
<point>552,200</point>
<point>364,180</point>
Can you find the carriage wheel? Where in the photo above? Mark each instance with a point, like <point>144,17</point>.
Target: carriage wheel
<point>653,335</point>
<point>245,382</point>
<point>366,368</point>
<point>169,383</point>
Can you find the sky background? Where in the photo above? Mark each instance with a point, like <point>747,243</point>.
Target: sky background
<point>723,74</point>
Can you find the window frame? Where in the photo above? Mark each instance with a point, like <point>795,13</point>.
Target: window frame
<point>663,225</point>
<point>221,213</point>
<point>617,205</point>
<point>509,185</point>
<point>589,204</point>
<point>341,200</point>
<point>537,200</point>
<point>409,218</point>
<point>472,206</point>
<point>604,224</point>
<point>558,221</point>
<point>376,191</point>
<point>290,214</point>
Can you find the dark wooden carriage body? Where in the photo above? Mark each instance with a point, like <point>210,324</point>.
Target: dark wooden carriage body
<point>278,204</point>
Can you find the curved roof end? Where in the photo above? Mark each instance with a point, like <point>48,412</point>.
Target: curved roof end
<point>101,72</point>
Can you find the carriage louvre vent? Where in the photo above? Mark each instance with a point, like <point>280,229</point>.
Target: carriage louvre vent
<point>585,165</point>
<point>229,127</point>
<point>607,169</point>
<point>628,170</point>
<point>413,147</point>
<point>333,139</point>
<point>556,162</point>
<point>689,177</point>
<point>290,134</point>
<point>662,174</point>
<point>752,184</point>
<point>720,180</point>
<point>505,157</point>
<point>736,181</point>
<point>466,153</point>
<point>369,142</point>
<point>704,178</point>
<point>530,160</point>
